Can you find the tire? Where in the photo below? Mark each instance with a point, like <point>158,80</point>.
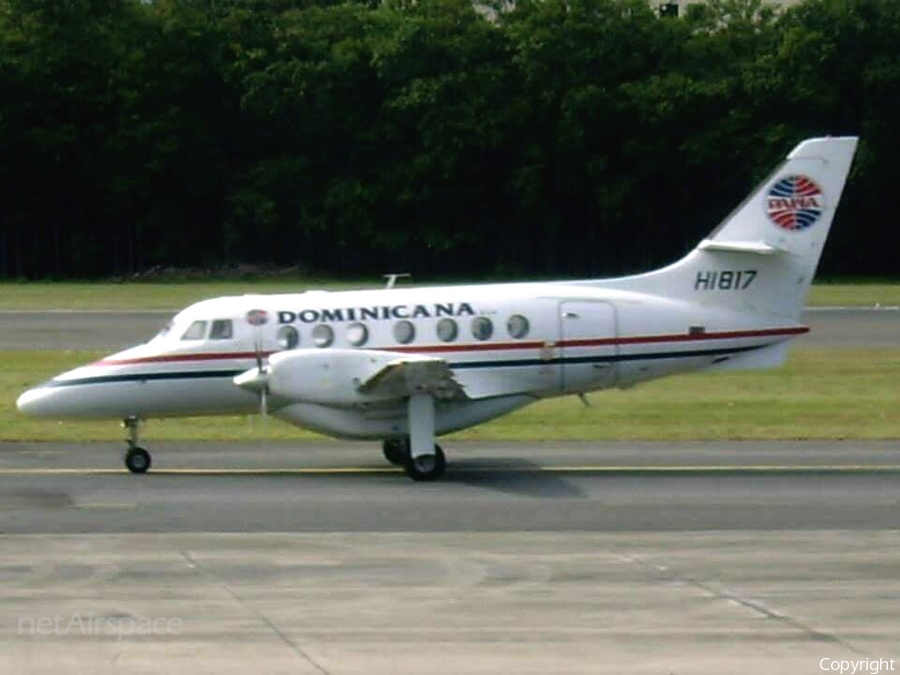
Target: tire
<point>137,460</point>
<point>426,468</point>
<point>396,451</point>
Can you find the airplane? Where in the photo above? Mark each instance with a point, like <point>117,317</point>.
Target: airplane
<point>405,365</point>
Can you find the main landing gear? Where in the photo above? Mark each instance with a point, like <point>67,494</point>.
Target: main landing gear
<point>420,456</point>
<point>422,468</point>
<point>426,467</point>
<point>426,459</point>
<point>396,450</point>
<point>137,460</point>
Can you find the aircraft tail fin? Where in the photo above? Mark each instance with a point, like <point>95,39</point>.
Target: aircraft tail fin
<point>764,254</point>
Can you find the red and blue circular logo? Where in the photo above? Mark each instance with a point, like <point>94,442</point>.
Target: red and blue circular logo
<point>794,203</point>
<point>257,317</point>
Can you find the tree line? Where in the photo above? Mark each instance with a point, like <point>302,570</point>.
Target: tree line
<point>540,137</point>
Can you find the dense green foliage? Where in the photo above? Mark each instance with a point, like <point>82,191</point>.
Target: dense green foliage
<point>434,136</point>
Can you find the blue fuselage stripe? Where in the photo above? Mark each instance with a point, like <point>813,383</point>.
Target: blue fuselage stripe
<point>605,358</point>
<point>460,365</point>
<point>147,377</point>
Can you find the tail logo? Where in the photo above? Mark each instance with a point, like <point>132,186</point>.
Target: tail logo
<point>794,203</point>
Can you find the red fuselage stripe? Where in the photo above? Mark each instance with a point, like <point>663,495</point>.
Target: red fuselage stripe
<point>487,346</point>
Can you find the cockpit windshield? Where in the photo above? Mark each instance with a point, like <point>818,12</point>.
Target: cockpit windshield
<point>182,328</point>
<point>196,331</point>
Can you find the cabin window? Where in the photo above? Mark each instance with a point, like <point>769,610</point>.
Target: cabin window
<point>404,332</point>
<point>447,330</point>
<point>287,337</point>
<point>517,326</point>
<point>323,335</point>
<point>357,334</point>
<point>482,328</point>
<point>221,330</point>
<point>196,331</point>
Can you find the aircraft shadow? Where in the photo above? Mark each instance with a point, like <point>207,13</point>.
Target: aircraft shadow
<point>519,477</point>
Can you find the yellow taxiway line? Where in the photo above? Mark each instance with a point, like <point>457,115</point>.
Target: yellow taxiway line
<point>612,469</point>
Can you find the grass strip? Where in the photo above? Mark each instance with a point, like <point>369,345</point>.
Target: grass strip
<point>175,296</point>
<point>820,394</point>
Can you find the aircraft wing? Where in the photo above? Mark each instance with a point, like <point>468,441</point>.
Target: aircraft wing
<point>347,377</point>
<point>408,375</point>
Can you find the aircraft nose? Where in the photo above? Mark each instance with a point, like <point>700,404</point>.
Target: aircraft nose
<point>36,402</point>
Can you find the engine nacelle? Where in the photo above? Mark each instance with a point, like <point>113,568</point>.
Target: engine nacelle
<point>332,376</point>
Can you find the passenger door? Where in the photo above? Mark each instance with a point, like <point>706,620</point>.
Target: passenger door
<point>588,348</point>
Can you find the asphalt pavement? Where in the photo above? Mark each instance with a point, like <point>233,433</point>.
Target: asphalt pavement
<point>57,488</point>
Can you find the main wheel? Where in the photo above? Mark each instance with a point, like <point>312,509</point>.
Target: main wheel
<point>426,467</point>
<point>137,460</point>
<point>396,450</point>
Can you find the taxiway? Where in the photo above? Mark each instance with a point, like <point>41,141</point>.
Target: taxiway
<point>59,488</point>
<point>570,558</point>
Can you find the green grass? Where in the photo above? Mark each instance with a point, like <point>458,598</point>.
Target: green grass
<point>148,295</point>
<point>820,394</point>
<point>854,295</point>
<point>174,296</point>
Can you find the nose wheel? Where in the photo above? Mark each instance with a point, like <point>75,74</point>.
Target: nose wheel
<point>137,460</point>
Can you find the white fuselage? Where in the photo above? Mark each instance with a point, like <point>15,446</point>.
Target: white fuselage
<point>506,345</point>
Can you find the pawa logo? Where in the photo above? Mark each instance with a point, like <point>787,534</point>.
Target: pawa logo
<point>794,203</point>
<point>257,317</point>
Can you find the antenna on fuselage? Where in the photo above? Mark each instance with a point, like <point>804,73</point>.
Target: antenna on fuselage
<point>391,279</point>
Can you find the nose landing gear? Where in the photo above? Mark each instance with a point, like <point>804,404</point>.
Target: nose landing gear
<point>137,460</point>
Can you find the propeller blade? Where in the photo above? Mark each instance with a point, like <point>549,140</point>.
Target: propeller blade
<point>257,379</point>
<point>257,344</point>
<point>263,370</point>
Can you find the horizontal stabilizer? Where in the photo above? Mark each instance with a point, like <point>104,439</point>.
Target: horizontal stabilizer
<point>772,356</point>
<point>757,247</point>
